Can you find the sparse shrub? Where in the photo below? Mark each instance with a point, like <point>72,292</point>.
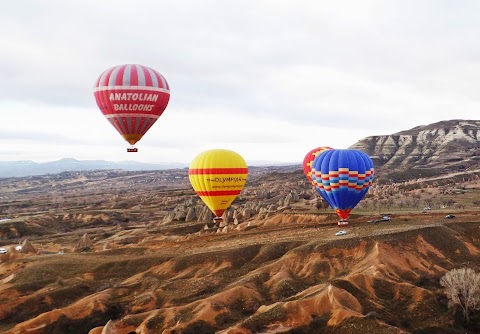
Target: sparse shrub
<point>373,314</point>
<point>424,280</point>
<point>216,306</point>
<point>199,327</point>
<point>285,289</point>
<point>462,287</point>
<point>98,221</point>
<point>224,318</point>
<point>26,204</point>
<point>185,315</point>
<point>259,321</point>
<point>155,323</point>
<point>318,325</point>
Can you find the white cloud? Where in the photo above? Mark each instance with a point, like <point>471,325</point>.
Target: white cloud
<point>269,78</point>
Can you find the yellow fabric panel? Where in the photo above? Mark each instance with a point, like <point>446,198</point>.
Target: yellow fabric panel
<point>218,176</point>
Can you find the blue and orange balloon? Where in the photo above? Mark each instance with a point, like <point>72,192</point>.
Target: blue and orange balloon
<point>342,178</point>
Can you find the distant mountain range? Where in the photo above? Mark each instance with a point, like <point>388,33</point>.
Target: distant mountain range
<point>29,168</point>
<point>427,150</point>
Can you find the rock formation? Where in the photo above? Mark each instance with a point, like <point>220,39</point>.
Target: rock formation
<point>107,246</point>
<point>452,145</point>
<point>84,244</point>
<point>27,247</point>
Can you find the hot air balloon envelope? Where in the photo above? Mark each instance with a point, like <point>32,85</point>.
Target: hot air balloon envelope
<point>132,97</point>
<point>308,160</point>
<point>218,176</point>
<point>342,178</point>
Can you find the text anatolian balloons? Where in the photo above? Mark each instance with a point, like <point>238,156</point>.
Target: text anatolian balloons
<point>132,97</point>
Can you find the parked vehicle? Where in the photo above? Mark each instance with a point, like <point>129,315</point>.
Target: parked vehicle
<point>343,232</point>
<point>385,219</point>
<point>450,216</point>
<point>3,251</point>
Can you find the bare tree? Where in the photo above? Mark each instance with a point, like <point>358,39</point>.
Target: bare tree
<point>462,287</point>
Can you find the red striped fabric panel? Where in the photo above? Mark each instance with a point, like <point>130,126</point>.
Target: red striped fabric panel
<point>119,75</point>
<point>218,193</point>
<point>200,171</point>
<point>148,77</point>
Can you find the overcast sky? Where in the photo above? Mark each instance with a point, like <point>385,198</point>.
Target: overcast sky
<point>270,80</point>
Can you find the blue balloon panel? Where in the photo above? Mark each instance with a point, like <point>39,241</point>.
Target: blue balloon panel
<point>342,178</point>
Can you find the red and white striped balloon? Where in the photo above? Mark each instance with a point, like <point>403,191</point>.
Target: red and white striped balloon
<point>132,97</point>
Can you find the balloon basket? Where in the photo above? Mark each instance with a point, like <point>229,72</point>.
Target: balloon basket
<point>217,221</point>
<point>342,223</point>
<point>132,149</point>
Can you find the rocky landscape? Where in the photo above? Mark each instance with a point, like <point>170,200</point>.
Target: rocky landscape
<point>127,252</point>
<point>425,150</point>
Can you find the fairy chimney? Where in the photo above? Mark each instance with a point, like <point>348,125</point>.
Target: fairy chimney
<point>27,247</point>
<point>84,244</point>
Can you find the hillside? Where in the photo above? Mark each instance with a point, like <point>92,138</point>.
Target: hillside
<point>277,279</point>
<point>434,149</point>
<point>136,252</point>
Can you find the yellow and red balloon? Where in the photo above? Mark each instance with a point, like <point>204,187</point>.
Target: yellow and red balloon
<point>218,176</point>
